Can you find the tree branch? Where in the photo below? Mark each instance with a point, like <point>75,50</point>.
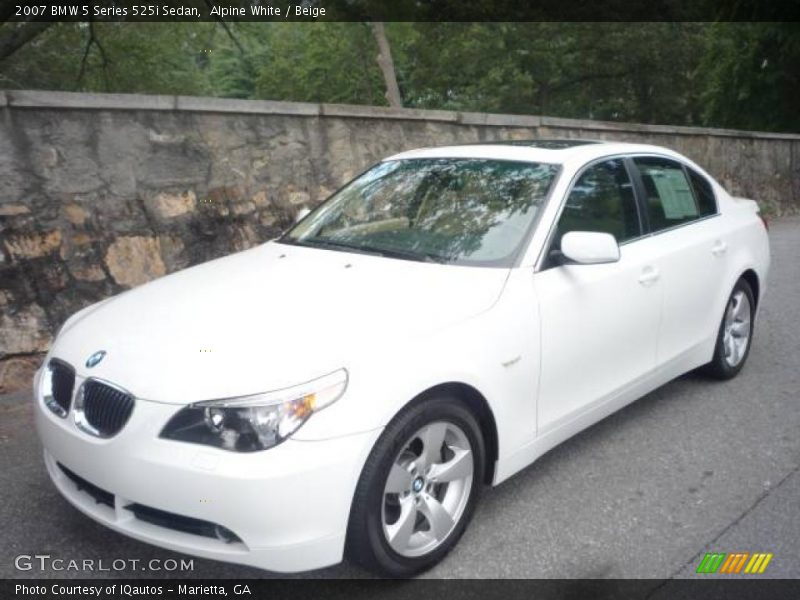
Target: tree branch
<point>227,30</point>
<point>84,60</point>
<point>85,56</point>
<point>20,34</point>
<point>103,56</point>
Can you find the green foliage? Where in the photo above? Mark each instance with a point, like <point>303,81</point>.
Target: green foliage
<point>157,58</point>
<point>751,75</point>
<point>321,62</point>
<point>742,75</point>
<point>231,66</point>
<point>597,70</point>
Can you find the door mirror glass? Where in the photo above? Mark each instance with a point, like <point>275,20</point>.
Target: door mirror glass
<point>589,247</point>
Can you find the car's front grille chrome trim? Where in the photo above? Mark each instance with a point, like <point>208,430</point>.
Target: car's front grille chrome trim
<point>58,387</point>
<point>101,408</point>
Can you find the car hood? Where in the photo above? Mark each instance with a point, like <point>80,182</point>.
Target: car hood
<point>267,318</point>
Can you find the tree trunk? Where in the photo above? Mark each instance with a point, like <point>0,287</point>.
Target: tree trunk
<point>386,64</point>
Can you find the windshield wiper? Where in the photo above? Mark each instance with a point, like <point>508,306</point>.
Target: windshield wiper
<point>371,250</point>
<point>318,243</point>
<point>407,254</point>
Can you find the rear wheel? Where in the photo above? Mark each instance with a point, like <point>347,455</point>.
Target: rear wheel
<point>418,489</point>
<point>735,333</point>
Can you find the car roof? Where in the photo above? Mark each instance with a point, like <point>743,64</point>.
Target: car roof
<point>552,151</point>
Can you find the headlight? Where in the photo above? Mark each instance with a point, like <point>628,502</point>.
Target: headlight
<point>258,422</point>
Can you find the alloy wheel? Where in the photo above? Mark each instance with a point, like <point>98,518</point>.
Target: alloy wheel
<point>736,332</point>
<point>427,489</point>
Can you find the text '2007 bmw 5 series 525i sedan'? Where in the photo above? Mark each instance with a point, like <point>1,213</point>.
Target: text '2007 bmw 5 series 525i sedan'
<point>432,328</point>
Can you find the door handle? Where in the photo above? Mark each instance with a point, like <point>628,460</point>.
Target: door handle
<point>649,276</point>
<point>719,248</point>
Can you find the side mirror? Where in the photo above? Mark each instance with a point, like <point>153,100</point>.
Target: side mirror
<point>301,214</point>
<point>589,247</point>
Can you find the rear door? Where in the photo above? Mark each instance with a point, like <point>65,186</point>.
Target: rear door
<point>686,233</point>
<point>599,323</point>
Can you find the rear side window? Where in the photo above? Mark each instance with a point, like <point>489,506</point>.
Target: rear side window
<point>668,193</point>
<point>601,200</point>
<point>704,193</point>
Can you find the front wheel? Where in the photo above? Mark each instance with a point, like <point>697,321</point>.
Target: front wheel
<point>418,489</point>
<point>735,333</point>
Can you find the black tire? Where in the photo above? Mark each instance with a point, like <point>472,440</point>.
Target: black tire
<point>366,543</point>
<point>719,367</point>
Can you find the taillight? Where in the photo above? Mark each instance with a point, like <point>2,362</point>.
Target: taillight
<point>764,221</point>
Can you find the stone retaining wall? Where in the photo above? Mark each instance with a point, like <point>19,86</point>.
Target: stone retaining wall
<point>102,192</point>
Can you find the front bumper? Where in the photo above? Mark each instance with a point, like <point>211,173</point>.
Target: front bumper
<point>288,505</point>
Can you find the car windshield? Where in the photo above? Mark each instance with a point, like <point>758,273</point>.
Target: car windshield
<point>458,211</point>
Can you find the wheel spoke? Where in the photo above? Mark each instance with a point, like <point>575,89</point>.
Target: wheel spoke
<point>440,520</point>
<point>432,439</point>
<point>399,480</point>
<point>399,532</point>
<point>736,352</point>
<point>728,342</point>
<point>729,312</point>
<point>741,329</point>
<point>742,309</point>
<point>458,467</point>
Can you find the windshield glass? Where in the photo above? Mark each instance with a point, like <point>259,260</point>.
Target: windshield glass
<point>461,211</point>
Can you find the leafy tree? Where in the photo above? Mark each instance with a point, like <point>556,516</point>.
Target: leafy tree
<point>321,62</point>
<point>234,60</point>
<point>163,58</point>
<point>597,70</point>
<point>741,75</point>
<point>751,76</point>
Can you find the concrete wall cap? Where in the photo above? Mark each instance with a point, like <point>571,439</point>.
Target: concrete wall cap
<point>80,100</point>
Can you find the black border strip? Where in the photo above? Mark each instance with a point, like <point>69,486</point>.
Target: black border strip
<point>708,587</point>
<point>404,10</point>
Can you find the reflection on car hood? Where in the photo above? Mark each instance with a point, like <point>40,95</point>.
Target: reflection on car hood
<point>267,318</point>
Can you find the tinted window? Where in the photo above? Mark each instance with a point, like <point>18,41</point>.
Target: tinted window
<point>462,211</point>
<point>668,195</point>
<point>704,194</point>
<point>601,200</point>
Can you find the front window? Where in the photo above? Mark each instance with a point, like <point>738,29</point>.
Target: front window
<point>602,200</point>
<point>448,210</point>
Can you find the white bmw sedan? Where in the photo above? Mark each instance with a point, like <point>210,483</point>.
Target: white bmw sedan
<point>435,326</point>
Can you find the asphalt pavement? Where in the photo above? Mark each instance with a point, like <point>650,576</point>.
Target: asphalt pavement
<point>697,466</point>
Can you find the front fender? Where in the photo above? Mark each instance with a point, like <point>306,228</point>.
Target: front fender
<point>495,352</point>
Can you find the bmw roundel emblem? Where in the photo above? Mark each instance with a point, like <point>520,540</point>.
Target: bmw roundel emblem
<point>95,358</point>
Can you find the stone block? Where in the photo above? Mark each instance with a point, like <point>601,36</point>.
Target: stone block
<point>16,374</point>
<point>75,214</point>
<point>13,210</point>
<point>32,245</point>
<point>24,331</point>
<point>167,205</point>
<point>134,260</point>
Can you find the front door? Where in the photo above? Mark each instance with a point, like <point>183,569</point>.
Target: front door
<point>599,323</point>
